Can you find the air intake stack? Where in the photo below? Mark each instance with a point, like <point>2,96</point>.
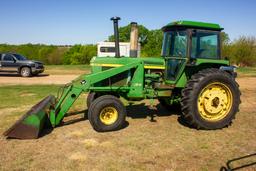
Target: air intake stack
<point>134,40</point>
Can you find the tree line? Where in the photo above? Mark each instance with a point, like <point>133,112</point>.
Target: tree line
<point>50,54</point>
<point>241,51</point>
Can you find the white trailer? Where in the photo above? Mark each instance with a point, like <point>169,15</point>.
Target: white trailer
<point>108,49</point>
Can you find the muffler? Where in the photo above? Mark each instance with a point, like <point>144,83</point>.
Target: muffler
<point>116,34</point>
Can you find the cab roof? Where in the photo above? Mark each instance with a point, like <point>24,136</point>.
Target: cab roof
<point>193,24</point>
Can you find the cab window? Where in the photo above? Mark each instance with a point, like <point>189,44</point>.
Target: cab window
<point>7,57</point>
<point>205,45</point>
<point>108,49</point>
<point>174,44</point>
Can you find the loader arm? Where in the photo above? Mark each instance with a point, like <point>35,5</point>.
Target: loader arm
<point>83,84</point>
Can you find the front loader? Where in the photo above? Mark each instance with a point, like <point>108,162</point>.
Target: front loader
<point>190,72</point>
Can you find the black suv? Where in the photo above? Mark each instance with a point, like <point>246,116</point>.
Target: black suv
<point>11,62</point>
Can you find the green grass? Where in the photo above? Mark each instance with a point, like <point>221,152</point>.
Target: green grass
<point>15,96</point>
<point>17,100</point>
<point>24,95</point>
<point>247,71</point>
<point>67,69</point>
<point>28,95</point>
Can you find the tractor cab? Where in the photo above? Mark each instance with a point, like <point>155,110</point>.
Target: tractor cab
<point>185,41</point>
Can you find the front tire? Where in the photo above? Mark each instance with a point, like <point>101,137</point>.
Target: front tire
<point>210,100</point>
<point>25,72</point>
<point>90,98</point>
<point>107,113</point>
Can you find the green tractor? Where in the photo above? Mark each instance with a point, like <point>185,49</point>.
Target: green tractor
<point>190,72</point>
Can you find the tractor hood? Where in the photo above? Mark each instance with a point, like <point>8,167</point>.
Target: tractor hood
<point>149,62</point>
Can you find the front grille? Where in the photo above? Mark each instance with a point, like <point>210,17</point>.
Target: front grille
<point>40,66</point>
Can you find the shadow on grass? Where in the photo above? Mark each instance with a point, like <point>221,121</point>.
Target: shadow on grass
<point>135,111</point>
<point>75,120</point>
<point>142,111</point>
<point>184,123</point>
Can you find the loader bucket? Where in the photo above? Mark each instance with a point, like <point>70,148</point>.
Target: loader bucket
<point>30,125</point>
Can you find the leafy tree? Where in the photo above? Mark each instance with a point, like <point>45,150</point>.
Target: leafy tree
<point>80,54</point>
<point>224,38</point>
<point>225,45</point>
<point>37,51</point>
<point>124,33</point>
<point>153,44</point>
<point>49,54</point>
<point>56,56</point>
<point>151,41</point>
<point>243,51</point>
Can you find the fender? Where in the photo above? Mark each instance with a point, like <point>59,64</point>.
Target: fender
<point>26,65</point>
<point>230,69</point>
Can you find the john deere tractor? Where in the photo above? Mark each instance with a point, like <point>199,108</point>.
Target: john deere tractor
<point>189,72</point>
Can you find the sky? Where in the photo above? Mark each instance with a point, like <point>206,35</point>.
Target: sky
<point>68,22</point>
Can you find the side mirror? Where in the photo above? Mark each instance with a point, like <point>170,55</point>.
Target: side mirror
<point>143,39</point>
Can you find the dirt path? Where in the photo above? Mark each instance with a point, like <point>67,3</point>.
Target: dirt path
<point>41,79</point>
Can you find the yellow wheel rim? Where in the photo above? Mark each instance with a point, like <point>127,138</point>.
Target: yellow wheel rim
<point>215,101</point>
<point>108,115</point>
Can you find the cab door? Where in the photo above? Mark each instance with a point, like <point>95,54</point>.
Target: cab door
<point>0,62</point>
<point>175,51</point>
<point>8,63</point>
<point>174,68</point>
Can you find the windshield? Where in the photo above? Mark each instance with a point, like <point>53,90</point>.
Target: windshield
<point>205,45</point>
<point>175,44</point>
<point>19,57</point>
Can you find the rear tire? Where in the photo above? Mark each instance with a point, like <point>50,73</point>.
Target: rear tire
<point>107,113</point>
<point>210,99</point>
<point>25,72</point>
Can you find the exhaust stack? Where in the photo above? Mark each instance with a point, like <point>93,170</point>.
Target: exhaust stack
<point>116,34</point>
<point>134,40</point>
